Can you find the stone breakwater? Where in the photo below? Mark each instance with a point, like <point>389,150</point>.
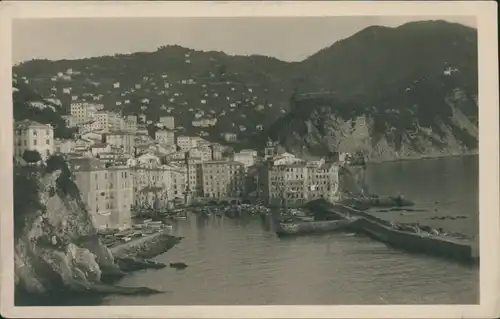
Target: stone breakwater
<point>136,254</point>
<point>146,247</point>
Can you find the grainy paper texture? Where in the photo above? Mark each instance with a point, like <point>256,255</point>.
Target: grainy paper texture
<point>276,159</point>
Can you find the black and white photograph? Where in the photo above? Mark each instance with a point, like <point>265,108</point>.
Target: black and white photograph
<point>257,159</point>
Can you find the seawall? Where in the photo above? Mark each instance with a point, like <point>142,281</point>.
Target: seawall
<point>458,249</point>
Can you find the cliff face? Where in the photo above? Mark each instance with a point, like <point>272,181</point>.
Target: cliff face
<point>399,132</point>
<point>56,244</point>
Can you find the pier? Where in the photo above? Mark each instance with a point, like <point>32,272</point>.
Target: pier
<point>402,237</point>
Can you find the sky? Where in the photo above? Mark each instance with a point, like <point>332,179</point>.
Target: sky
<point>285,38</point>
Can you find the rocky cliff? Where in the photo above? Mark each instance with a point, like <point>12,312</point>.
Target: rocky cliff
<point>408,130</point>
<point>56,246</point>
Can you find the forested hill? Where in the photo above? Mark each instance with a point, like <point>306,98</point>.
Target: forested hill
<point>419,68</point>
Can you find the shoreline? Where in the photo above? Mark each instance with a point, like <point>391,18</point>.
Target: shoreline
<point>128,257</point>
<point>422,157</point>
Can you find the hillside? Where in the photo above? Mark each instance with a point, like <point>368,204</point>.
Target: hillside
<point>404,92</point>
<point>416,75</point>
<point>28,105</point>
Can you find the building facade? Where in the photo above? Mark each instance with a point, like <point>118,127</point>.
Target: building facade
<point>107,191</point>
<point>166,137</point>
<point>168,121</point>
<point>64,145</point>
<point>222,179</point>
<point>123,140</point>
<point>300,182</point>
<point>33,136</point>
<point>108,120</point>
<point>130,123</point>
<point>158,186</point>
<point>245,157</point>
<point>83,112</point>
<point>185,143</point>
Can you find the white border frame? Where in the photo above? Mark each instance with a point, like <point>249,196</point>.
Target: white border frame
<point>485,13</point>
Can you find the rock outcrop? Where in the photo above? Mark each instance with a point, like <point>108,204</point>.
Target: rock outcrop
<point>56,245</point>
<point>317,127</point>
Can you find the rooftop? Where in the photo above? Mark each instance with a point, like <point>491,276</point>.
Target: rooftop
<point>31,124</point>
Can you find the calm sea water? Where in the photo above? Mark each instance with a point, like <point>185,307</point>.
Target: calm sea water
<point>239,262</point>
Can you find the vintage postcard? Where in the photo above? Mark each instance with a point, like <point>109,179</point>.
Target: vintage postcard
<point>249,159</point>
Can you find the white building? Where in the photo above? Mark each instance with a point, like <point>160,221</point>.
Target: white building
<point>205,122</point>
<point>108,120</point>
<point>286,159</point>
<point>33,136</point>
<point>230,137</point>
<point>64,145</point>
<point>83,112</point>
<point>130,123</point>
<point>185,142</point>
<point>245,157</point>
<point>166,137</point>
<point>168,121</point>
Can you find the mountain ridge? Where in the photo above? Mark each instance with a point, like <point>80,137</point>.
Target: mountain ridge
<point>377,71</point>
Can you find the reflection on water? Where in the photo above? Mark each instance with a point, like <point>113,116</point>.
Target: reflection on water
<point>243,262</point>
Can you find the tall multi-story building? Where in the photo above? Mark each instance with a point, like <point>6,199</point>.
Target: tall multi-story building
<point>222,179</point>
<point>130,123</point>
<point>300,182</point>
<point>158,186</point>
<point>193,178</point>
<point>322,181</point>
<point>108,120</point>
<point>168,121</point>
<point>217,150</point>
<point>166,137</point>
<point>201,153</point>
<point>185,142</point>
<point>33,136</point>
<point>122,140</point>
<point>107,191</point>
<point>83,112</point>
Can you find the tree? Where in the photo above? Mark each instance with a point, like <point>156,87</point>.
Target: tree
<point>32,156</point>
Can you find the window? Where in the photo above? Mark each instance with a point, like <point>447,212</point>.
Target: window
<point>47,141</point>
<point>34,142</point>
